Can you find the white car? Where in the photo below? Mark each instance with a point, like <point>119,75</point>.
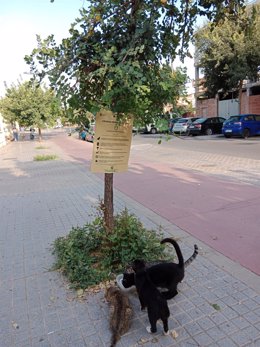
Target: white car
<point>181,126</point>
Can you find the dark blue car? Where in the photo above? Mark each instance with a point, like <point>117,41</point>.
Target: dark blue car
<point>244,125</point>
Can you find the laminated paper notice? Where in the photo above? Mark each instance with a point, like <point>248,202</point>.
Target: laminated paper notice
<point>112,143</point>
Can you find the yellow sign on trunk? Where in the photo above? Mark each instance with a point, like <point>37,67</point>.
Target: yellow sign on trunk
<point>112,143</point>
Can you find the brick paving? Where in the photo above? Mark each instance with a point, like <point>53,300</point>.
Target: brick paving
<point>40,201</point>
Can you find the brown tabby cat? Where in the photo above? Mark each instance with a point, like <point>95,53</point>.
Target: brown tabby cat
<point>120,313</point>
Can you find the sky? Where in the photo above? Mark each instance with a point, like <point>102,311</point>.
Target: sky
<point>22,20</point>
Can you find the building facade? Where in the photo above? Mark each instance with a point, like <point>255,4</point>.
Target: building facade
<point>229,105</point>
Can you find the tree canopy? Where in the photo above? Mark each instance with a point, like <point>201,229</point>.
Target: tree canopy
<point>30,105</point>
<point>119,53</point>
<point>230,52</point>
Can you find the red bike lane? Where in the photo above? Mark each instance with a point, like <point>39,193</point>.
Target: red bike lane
<point>222,213</point>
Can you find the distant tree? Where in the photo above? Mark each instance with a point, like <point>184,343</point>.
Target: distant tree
<point>229,52</point>
<point>118,57</point>
<point>30,105</point>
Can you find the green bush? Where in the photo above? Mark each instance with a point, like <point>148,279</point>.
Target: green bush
<point>88,255</point>
<point>45,157</point>
<point>41,147</point>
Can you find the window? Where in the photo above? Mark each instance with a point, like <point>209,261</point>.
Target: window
<point>249,118</point>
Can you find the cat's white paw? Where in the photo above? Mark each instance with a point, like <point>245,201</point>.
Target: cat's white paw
<point>148,330</point>
<point>166,332</point>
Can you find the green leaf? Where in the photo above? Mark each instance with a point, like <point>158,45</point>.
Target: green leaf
<point>216,307</point>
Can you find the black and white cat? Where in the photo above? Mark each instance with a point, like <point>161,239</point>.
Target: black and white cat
<point>163,275</point>
<point>151,298</point>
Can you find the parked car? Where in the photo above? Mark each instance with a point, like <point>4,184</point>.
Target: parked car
<point>182,124</point>
<point>171,123</point>
<point>244,125</point>
<point>206,126</point>
<point>159,125</point>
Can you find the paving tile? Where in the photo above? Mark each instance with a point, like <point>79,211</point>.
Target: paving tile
<point>231,326</point>
<point>52,322</point>
<point>241,308</point>
<point>257,310</point>
<point>182,333</point>
<point>241,337</point>
<point>252,317</point>
<point>226,342</point>
<point>230,313</point>
<point>218,318</point>
<point>187,343</point>
<point>183,318</point>
<point>193,328</point>
<point>252,332</point>
<point>197,300</point>
<point>253,344</point>
<point>58,339</point>
<point>203,339</point>
<point>250,293</point>
<point>6,339</point>
<point>216,333</point>
<point>78,343</point>
<point>206,323</point>
<point>195,313</point>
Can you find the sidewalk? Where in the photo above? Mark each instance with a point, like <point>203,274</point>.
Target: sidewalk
<point>218,303</point>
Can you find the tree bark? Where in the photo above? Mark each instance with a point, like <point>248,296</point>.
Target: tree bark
<point>40,134</point>
<point>108,202</point>
<point>217,103</point>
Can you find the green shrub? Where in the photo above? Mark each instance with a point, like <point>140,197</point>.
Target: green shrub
<point>45,157</point>
<point>130,240</point>
<point>88,255</point>
<point>41,147</point>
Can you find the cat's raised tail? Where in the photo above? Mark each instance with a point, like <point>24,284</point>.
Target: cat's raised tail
<point>191,258</point>
<point>177,249</point>
<point>179,253</point>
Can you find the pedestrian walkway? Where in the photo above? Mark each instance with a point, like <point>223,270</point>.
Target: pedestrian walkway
<point>218,302</point>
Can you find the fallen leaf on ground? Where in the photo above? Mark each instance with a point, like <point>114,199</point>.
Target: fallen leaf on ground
<point>142,341</point>
<point>80,292</point>
<point>174,334</point>
<point>216,307</point>
<point>15,325</point>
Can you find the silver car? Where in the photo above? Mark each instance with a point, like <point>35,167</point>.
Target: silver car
<point>181,126</point>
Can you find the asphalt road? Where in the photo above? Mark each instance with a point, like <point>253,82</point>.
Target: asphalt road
<point>208,186</point>
<point>216,144</point>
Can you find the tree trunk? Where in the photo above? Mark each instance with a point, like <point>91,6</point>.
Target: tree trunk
<point>217,103</point>
<point>108,202</point>
<point>40,134</point>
